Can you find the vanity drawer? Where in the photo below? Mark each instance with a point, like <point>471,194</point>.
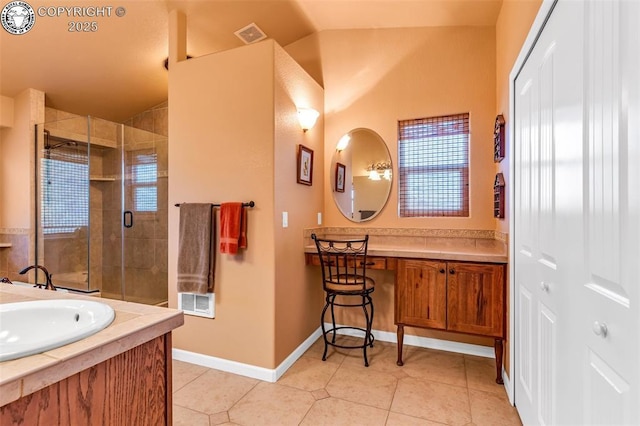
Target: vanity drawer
<point>375,262</point>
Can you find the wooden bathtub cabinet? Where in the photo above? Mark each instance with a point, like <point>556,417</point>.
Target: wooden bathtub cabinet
<point>132,388</point>
<point>462,297</point>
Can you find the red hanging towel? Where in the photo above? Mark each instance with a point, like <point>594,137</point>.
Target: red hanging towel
<point>233,228</point>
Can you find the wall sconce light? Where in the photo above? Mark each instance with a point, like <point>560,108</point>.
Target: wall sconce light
<point>378,170</point>
<point>343,142</point>
<point>307,118</point>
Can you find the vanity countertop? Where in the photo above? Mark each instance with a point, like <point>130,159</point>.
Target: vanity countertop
<point>133,325</point>
<point>461,254</point>
<point>436,244</point>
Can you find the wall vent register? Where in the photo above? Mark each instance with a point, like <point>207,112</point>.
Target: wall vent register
<point>201,305</point>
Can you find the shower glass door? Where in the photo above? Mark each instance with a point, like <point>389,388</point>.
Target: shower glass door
<point>144,216</point>
<point>62,202</point>
<point>101,208</point>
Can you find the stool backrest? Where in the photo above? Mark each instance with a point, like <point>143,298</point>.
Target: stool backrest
<point>343,263</point>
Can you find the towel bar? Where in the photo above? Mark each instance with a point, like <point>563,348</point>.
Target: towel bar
<point>249,204</point>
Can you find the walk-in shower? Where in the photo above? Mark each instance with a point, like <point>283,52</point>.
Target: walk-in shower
<point>101,210</point>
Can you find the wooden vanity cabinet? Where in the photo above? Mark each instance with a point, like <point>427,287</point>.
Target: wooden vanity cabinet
<point>421,293</point>
<point>461,297</point>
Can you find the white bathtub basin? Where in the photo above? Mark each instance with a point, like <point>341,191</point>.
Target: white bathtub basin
<point>28,328</point>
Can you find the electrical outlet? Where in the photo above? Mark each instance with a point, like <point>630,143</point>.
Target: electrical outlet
<point>285,219</point>
<point>319,218</point>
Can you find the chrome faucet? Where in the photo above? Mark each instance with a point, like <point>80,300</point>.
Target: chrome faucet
<point>49,285</point>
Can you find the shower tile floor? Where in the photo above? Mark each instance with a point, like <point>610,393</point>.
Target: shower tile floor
<point>432,388</point>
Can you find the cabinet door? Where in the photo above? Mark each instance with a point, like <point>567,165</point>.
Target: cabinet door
<point>421,293</point>
<point>476,298</point>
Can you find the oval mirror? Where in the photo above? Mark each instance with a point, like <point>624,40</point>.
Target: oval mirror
<point>361,175</point>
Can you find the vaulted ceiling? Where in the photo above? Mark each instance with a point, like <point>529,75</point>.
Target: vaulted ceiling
<point>115,70</point>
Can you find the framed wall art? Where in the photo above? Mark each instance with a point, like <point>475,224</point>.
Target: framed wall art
<point>341,171</point>
<point>305,165</point>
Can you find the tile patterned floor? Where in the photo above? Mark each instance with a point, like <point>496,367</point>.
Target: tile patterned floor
<point>432,388</point>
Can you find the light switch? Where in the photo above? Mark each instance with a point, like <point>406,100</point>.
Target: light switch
<point>285,219</point>
<point>319,218</point>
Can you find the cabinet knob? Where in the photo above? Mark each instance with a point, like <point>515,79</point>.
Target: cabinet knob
<point>442,271</point>
<point>451,271</point>
<point>600,329</point>
<point>544,286</point>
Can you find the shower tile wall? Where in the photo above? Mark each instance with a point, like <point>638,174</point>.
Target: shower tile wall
<point>16,257</point>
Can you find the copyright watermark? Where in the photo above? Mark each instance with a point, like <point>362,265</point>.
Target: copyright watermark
<point>81,11</point>
<point>18,17</point>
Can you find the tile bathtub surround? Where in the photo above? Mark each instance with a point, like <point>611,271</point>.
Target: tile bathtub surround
<point>433,388</point>
<point>133,325</point>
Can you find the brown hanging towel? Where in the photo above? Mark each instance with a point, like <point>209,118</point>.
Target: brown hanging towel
<point>196,248</point>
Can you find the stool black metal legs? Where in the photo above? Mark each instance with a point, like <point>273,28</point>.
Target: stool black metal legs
<point>368,336</point>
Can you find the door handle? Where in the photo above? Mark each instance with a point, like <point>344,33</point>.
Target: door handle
<point>600,329</point>
<point>128,219</point>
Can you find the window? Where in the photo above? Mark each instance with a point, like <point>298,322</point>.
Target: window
<point>65,191</point>
<point>433,162</point>
<point>144,182</point>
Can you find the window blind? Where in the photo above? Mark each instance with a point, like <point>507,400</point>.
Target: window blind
<point>65,191</point>
<point>433,163</point>
<point>144,180</point>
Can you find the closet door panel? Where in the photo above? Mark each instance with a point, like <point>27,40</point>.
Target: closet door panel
<point>548,154</point>
<point>526,290</point>
<point>609,296</point>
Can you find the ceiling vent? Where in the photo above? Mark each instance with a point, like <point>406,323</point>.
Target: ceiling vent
<point>250,34</point>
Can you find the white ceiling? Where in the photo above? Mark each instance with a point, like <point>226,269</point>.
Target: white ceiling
<point>117,71</point>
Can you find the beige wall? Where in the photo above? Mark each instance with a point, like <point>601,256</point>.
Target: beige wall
<point>512,27</point>
<point>298,295</point>
<point>17,201</point>
<point>6,112</point>
<point>16,163</point>
<point>373,78</point>
<point>233,136</point>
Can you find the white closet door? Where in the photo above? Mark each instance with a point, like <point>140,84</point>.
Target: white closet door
<point>548,155</point>
<point>577,218</point>
<point>609,297</point>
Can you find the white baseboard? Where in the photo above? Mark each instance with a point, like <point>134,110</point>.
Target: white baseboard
<point>272,375</point>
<point>247,370</point>
<point>424,342</point>
<point>507,386</point>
